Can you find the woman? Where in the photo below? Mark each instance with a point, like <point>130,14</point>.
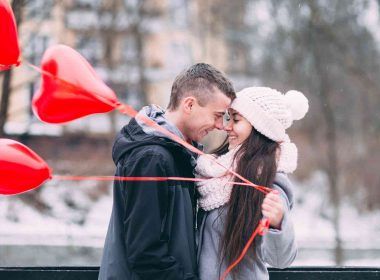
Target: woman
<point>259,149</point>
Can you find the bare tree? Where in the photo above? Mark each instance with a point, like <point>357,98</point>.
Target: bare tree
<point>138,33</point>
<point>324,89</point>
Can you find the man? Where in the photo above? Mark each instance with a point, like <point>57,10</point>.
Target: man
<point>151,231</point>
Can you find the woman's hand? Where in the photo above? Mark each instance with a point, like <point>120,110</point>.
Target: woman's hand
<point>273,209</point>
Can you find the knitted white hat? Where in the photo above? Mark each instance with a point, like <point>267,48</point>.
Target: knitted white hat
<point>270,112</point>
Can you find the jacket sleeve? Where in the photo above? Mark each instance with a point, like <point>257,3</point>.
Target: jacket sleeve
<point>145,216</point>
<point>279,247</point>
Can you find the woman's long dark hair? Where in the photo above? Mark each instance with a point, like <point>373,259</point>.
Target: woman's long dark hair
<point>255,161</point>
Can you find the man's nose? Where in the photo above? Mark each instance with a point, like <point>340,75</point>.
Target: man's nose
<point>219,124</point>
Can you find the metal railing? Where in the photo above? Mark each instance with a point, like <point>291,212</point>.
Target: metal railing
<point>293,273</point>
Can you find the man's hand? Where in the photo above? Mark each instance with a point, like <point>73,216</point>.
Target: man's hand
<point>273,209</point>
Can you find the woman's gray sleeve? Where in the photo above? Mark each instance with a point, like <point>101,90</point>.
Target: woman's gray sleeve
<point>279,248</point>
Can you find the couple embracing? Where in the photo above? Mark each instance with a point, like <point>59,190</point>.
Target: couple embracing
<point>180,230</point>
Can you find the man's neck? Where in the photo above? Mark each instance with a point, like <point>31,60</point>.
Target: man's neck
<point>175,119</point>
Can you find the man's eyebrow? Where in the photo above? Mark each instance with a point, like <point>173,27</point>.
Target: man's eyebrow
<point>220,113</point>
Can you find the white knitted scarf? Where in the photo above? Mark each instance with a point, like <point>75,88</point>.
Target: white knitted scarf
<point>215,192</point>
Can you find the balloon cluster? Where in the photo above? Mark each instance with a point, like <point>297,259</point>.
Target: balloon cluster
<point>70,89</point>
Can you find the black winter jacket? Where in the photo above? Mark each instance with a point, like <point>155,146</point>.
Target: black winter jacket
<point>151,231</point>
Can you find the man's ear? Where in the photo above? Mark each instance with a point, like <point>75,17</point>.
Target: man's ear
<point>188,104</point>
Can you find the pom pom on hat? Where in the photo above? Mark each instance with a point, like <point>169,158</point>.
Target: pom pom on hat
<point>298,104</point>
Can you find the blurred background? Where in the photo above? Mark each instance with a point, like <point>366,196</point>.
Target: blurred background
<point>329,50</point>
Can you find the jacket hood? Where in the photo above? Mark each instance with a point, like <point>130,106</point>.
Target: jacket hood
<point>136,134</point>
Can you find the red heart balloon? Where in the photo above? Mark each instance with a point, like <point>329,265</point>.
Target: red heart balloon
<point>70,88</point>
<point>9,47</point>
<point>21,169</point>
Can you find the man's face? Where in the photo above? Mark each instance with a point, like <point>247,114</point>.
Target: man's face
<point>202,120</point>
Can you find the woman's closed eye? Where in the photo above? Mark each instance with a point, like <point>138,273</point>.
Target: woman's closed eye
<point>236,118</point>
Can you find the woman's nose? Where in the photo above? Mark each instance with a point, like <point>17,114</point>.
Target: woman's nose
<point>228,126</point>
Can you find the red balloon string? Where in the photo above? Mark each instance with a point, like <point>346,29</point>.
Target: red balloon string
<point>128,179</point>
<point>132,179</point>
<point>128,110</point>
<point>261,229</point>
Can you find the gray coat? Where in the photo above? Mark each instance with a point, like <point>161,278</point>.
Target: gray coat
<point>278,248</point>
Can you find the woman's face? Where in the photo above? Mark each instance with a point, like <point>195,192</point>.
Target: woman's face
<point>238,129</point>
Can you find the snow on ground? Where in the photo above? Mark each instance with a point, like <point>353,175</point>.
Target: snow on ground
<point>63,226</point>
<point>76,221</point>
<point>312,224</point>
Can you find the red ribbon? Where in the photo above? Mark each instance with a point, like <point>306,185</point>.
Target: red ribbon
<point>261,229</point>
<point>131,179</point>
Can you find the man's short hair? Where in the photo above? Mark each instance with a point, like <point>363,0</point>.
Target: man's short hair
<point>200,81</point>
